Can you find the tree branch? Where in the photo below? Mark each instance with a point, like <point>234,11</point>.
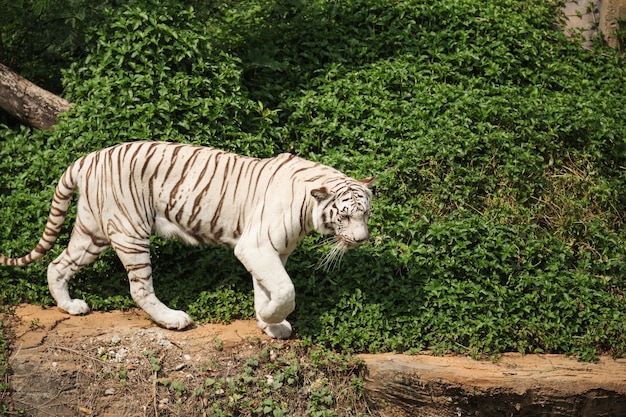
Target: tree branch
<point>29,103</point>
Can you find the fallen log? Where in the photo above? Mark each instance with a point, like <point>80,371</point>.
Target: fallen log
<point>30,104</point>
<point>515,385</point>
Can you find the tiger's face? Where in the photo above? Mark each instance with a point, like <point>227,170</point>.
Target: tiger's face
<point>344,212</point>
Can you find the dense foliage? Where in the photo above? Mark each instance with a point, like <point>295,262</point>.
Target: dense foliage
<point>499,146</point>
<point>39,38</point>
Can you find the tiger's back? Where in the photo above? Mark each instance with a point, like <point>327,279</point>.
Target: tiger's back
<point>198,194</point>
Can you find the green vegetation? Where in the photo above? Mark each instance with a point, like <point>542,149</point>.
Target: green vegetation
<point>499,146</point>
<point>40,38</point>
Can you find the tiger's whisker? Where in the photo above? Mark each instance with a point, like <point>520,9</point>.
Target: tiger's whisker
<point>332,259</point>
<point>327,241</point>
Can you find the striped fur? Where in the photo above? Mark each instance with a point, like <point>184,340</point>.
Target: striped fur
<point>261,208</point>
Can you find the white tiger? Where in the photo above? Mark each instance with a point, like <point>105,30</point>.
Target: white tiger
<point>260,207</point>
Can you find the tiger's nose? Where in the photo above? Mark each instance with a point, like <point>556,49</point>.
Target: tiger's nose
<point>360,238</point>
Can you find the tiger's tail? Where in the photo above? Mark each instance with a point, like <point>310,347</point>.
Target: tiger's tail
<point>58,211</point>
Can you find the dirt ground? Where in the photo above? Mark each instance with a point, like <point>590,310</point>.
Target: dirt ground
<point>110,364</point>
<point>66,365</point>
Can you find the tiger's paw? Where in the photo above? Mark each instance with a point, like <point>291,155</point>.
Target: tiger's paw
<point>174,319</point>
<point>74,307</point>
<point>280,330</point>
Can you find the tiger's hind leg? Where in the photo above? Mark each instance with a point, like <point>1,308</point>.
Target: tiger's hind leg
<point>135,255</point>
<point>83,248</point>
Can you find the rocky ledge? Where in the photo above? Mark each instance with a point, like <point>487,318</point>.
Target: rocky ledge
<point>514,385</point>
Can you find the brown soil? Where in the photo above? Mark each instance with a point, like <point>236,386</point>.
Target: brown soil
<point>66,365</point>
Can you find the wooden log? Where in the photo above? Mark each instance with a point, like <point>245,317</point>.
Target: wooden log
<point>29,103</point>
<point>516,385</point>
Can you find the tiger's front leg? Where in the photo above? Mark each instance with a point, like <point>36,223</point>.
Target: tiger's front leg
<point>274,293</point>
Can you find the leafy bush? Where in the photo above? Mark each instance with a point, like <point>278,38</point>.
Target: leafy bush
<point>41,37</point>
<point>499,147</point>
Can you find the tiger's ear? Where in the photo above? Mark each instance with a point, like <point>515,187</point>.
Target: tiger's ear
<point>368,182</point>
<point>320,194</point>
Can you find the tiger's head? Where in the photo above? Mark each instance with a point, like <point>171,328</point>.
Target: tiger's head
<point>343,211</point>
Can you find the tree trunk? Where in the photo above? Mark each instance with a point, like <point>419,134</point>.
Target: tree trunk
<point>30,104</point>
